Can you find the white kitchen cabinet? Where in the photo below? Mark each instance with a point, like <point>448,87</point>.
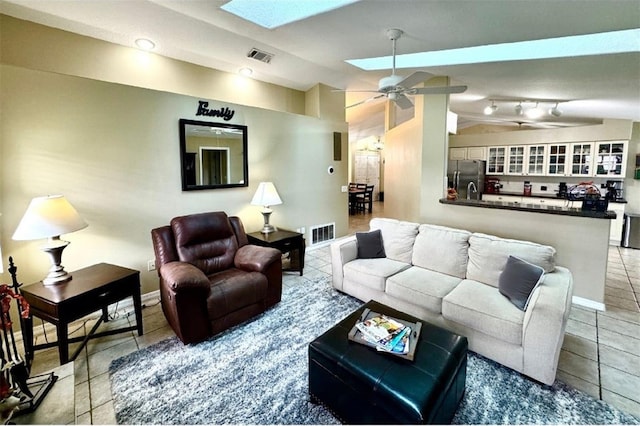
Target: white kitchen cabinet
<point>477,153</point>
<point>496,160</point>
<point>611,158</point>
<point>536,157</point>
<point>581,159</point>
<point>557,159</point>
<point>457,154</point>
<point>515,160</point>
<point>470,153</point>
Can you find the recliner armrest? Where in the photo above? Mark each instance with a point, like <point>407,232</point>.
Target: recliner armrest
<point>183,276</point>
<point>254,258</point>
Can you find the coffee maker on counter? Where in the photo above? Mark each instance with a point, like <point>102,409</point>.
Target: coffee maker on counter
<point>562,190</point>
<point>614,190</point>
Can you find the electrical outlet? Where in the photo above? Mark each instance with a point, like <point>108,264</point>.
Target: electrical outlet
<point>344,188</point>
<point>151,265</point>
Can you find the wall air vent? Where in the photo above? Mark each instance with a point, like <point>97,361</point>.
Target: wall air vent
<point>260,55</point>
<point>322,233</point>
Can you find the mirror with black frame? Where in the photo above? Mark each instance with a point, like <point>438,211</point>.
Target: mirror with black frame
<point>213,155</point>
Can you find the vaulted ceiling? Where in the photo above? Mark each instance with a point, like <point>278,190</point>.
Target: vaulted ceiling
<point>314,50</point>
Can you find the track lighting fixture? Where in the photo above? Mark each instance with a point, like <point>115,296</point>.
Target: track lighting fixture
<point>555,111</point>
<point>532,108</point>
<point>518,109</point>
<point>535,112</point>
<point>490,109</point>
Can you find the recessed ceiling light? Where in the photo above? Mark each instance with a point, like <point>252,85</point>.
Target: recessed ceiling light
<point>272,14</point>
<point>145,44</point>
<point>245,71</point>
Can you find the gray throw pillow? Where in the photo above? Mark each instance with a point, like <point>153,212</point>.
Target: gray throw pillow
<point>370,245</point>
<point>518,280</point>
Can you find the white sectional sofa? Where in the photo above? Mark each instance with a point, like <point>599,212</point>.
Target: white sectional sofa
<point>450,277</point>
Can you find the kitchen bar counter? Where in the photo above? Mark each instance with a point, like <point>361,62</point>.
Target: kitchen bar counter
<point>532,208</point>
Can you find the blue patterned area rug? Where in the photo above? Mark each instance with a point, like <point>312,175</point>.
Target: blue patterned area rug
<point>256,373</point>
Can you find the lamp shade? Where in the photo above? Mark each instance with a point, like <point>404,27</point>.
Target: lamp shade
<point>266,195</point>
<point>47,217</point>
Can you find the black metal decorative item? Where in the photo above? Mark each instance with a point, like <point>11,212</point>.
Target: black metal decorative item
<point>18,392</point>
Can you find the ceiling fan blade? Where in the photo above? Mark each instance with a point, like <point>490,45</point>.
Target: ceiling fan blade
<point>403,102</point>
<point>438,90</point>
<point>415,78</point>
<point>373,98</point>
<point>349,90</point>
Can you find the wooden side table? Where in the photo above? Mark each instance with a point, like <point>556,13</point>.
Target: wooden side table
<point>283,240</point>
<point>91,289</point>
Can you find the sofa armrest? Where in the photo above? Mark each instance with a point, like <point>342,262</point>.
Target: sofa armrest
<point>544,325</point>
<point>342,251</point>
<point>181,276</point>
<point>252,258</point>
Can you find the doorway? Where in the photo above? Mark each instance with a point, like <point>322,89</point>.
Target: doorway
<point>214,166</point>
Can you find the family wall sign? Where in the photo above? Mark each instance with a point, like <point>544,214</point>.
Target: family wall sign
<point>225,113</point>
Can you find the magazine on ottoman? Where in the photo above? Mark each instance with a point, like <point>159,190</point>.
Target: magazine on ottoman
<point>386,334</point>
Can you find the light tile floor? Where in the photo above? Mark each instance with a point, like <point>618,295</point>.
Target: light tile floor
<point>600,353</point>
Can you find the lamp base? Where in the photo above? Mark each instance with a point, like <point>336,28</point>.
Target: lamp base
<point>57,274</point>
<point>57,278</point>
<point>267,228</point>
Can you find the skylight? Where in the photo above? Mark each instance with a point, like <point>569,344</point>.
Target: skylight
<point>272,14</point>
<point>623,41</point>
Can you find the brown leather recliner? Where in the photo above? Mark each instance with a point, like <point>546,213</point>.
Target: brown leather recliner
<point>210,277</point>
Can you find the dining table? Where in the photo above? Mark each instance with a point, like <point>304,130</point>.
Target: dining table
<point>353,198</point>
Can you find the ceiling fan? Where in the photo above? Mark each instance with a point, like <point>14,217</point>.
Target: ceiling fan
<point>396,87</point>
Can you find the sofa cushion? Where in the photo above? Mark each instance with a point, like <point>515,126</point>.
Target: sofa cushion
<point>421,287</point>
<point>442,249</point>
<point>518,280</point>
<point>488,256</point>
<point>370,245</point>
<point>372,273</point>
<point>397,236</point>
<point>482,308</point>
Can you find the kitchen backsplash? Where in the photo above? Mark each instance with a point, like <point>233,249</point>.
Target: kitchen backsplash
<point>544,186</point>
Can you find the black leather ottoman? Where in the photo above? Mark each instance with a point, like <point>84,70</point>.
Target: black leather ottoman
<point>362,386</point>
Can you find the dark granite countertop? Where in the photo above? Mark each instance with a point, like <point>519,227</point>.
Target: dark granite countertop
<point>550,196</point>
<point>532,208</point>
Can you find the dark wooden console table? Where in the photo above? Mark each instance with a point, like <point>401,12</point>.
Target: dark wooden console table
<point>91,289</point>
<point>285,241</point>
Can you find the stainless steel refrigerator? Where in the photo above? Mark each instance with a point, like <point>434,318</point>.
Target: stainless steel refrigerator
<point>467,177</point>
<point>631,230</point>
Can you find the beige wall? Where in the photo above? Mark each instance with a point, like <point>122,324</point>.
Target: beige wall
<point>113,150</point>
<point>33,46</point>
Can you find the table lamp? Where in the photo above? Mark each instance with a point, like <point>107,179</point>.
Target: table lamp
<point>266,196</point>
<point>49,217</point>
